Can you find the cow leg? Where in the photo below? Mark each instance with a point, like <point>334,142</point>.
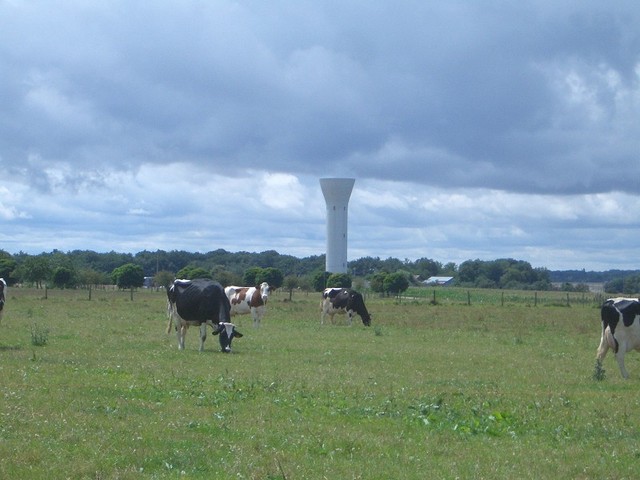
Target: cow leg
<point>622,349</point>
<point>254,315</point>
<point>181,332</point>
<point>203,335</point>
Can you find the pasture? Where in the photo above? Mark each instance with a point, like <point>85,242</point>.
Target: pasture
<point>428,391</point>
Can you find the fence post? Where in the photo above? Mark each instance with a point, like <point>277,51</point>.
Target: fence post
<point>89,292</point>
<point>535,299</point>
<point>502,299</point>
<point>468,297</point>
<point>434,296</point>
<point>132,294</point>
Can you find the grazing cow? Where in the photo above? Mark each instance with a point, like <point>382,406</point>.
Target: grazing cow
<point>200,302</point>
<point>620,329</point>
<point>3,289</point>
<point>341,301</point>
<point>249,299</point>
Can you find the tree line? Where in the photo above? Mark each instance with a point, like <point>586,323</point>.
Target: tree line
<point>79,268</point>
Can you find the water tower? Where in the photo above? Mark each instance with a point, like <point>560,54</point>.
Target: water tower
<point>336,193</point>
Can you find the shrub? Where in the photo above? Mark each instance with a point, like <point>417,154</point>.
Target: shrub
<point>39,335</point>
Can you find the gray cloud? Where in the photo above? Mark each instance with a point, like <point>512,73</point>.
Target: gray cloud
<point>112,112</point>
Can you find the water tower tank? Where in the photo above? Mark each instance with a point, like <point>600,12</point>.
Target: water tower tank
<point>336,193</point>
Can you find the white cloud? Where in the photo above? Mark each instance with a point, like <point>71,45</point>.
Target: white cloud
<point>473,130</point>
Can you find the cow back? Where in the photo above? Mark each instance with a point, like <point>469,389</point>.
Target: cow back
<point>340,298</point>
<point>615,308</point>
<point>201,300</point>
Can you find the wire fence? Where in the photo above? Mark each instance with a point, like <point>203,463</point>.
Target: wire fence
<point>457,296</point>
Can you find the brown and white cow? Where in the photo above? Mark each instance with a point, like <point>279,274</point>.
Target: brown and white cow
<point>249,300</point>
<point>341,301</point>
<point>200,302</point>
<point>3,289</point>
<point>620,329</point>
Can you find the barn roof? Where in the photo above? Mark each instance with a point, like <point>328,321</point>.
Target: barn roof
<point>438,280</point>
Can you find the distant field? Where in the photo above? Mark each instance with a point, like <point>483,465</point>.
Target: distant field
<point>449,390</point>
<point>475,296</point>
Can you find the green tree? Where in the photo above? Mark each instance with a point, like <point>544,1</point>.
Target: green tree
<point>191,271</point>
<point>395,283</point>
<point>273,276</point>
<point>128,275</point>
<point>163,278</point>
<point>614,286</point>
<point>425,267</point>
<point>7,269</point>
<point>320,281</point>
<point>64,277</point>
<point>89,276</point>
<point>290,284</point>
<point>251,276</point>
<point>365,266</point>
<point>225,276</point>
<point>339,280</point>
<point>377,282</point>
<point>35,270</point>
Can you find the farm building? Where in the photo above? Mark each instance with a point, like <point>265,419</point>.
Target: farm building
<point>442,281</point>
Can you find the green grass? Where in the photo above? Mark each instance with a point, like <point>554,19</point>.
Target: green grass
<point>429,391</point>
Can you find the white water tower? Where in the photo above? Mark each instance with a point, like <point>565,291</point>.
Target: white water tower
<point>336,193</point>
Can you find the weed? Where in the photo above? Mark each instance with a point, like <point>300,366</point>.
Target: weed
<point>39,335</point>
<point>599,373</point>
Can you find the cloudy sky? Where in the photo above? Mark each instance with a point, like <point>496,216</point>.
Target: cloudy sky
<point>474,129</point>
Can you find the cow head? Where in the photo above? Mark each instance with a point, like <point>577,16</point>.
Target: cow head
<point>227,332</point>
<point>356,303</point>
<point>264,292</point>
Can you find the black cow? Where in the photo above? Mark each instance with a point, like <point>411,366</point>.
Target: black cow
<point>341,301</point>
<point>200,302</point>
<point>3,287</point>
<point>620,329</point>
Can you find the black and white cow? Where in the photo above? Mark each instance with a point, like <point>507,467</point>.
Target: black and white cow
<point>341,301</point>
<point>620,329</point>
<point>200,302</point>
<point>3,289</point>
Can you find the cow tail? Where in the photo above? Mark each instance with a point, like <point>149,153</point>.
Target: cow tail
<point>170,309</point>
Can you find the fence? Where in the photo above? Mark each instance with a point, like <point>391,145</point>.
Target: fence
<point>457,296</point>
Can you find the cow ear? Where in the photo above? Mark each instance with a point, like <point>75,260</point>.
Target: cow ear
<point>236,333</point>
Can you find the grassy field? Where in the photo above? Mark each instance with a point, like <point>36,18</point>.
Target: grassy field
<point>429,391</point>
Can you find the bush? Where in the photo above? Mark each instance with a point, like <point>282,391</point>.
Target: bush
<point>39,335</point>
